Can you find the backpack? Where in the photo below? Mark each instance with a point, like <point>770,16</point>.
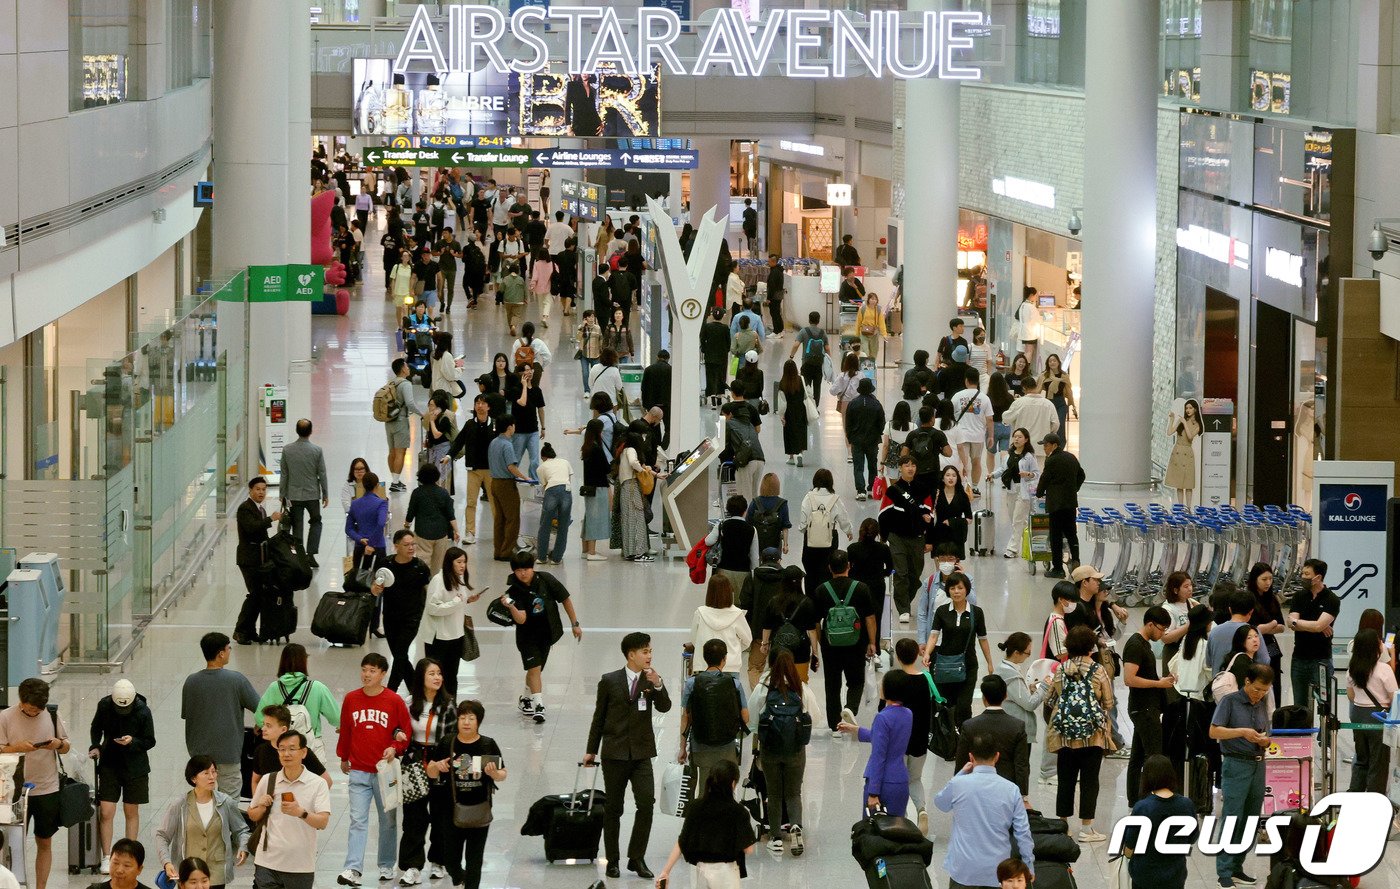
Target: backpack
<point>821,526</point>
<point>920,443</point>
<point>386,403</point>
<point>1224,682</point>
<point>768,525</point>
<point>814,347</point>
<point>789,637</point>
<point>715,717</point>
<point>1078,715</point>
<point>296,705</point>
<point>524,354</point>
<point>842,626</point>
<point>742,449</point>
<point>439,217</point>
<point>784,728</point>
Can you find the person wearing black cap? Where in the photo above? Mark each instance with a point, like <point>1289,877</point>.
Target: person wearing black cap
<point>1060,481</point>
<point>755,597</point>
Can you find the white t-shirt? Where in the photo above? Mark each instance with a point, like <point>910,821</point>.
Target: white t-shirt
<point>971,425</point>
<point>555,236</point>
<point>500,210</point>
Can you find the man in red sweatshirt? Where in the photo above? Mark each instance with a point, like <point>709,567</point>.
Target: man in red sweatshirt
<point>374,727</point>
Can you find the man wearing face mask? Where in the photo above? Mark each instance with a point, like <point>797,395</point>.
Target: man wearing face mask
<point>945,562</point>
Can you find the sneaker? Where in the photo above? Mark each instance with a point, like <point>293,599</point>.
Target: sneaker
<point>791,459</point>
<point>542,561</point>
<point>348,877</point>
<point>835,734</point>
<point>437,872</point>
<point>976,492</point>
<point>923,822</point>
<point>848,717</point>
<point>1089,835</point>
<point>1121,753</point>
<point>646,557</point>
<point>594,557</point>
<point>525,706</point>
<point>106,866</point>
<point>795,839</point>
<point>776,844</point>
<point>1244,879</point>
<point>1055,574</point>
<point>850,459</point>
<point>386,874</point>
<point>1227,883</point>
<point>862,496</point>
<point>469,539</point>
<point>1008,555</point>
<point>397,488</point>
<point>1050,780</point>
<point>539,714</point>
<point>904,617</point>
<point>411,877</point>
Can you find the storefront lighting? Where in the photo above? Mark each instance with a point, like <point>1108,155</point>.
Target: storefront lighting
<point>1037,193</point>
<point>802,148</point>
<point>1214,245</point>
<point>838,194</point>
<point>1283,266</point>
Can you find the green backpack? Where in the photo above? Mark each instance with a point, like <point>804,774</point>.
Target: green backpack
<point>842,628</point>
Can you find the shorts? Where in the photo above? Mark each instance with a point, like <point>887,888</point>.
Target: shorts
<point>398,434</point>
<point>533,653</point>
<point>975,446</point>
<point>114,786</point>
<point>43,811</point>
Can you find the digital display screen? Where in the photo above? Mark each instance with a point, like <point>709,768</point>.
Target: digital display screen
<point>608,104</point>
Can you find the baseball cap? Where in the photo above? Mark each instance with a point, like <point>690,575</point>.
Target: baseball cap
<point>1084,572</point>
<point>771,554</point>
<point>1051,438</point>
<point>123,694</point>
<point>794,572</point>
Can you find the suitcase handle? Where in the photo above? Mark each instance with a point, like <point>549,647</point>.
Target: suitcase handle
<point>596,767</point>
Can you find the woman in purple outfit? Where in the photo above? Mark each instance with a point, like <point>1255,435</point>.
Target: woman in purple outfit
<point>886,777</point>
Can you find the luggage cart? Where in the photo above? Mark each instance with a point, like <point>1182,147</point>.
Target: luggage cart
<point>728,486</point>
<point>1035,540</point>
<point>1094,532</point>
<point>14,816</point>
<point>1288,762</point>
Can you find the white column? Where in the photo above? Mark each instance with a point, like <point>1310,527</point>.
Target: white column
<point>1224,53</point>
<point>709,182</point>
<point>930,249</point>
<point>297,322</point>
<point>1122,81</point>
<point>250,89</point>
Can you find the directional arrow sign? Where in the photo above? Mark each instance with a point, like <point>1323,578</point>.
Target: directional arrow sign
<point>372,157</point>
<point>560,158</point>
<point>446,157</point>
<point>456,157</point>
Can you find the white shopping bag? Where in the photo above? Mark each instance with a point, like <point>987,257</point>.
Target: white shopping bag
<point>677,788</point>
<point>390,784</point>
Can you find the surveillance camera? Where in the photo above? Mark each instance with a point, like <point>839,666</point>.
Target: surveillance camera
<point>1075,224</point>
<point>1379,243</point>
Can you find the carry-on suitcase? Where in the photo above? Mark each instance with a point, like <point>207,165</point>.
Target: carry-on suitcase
<point>576,828</point>
<point>906,871</point>
<point>984,532</point>
<point>246,759</point>
<point>343,618</point>
<point>1054,875</point>
<point>277,615</point>
<point>84,853</point>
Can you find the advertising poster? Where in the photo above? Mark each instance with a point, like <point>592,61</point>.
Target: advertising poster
<point>423,104</point>
<point>610,104</point>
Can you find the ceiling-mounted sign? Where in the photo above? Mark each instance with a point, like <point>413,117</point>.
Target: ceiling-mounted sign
<point>446,157</point>
<point>838,194</point>
<point>615,158</point>
<point>581,199</point>
<point>808,43</point>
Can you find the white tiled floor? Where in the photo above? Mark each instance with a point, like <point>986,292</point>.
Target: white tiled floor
<point>612,598</point>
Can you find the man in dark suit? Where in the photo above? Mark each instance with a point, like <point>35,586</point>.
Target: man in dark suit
<point>602,294</point>
<point>1061,477</point>
<point>622,726</point>
<point>622,284</point>
<point>714,351</point>
<point>253,525</point>
<point>1007,733</point>
<point>656,391</point>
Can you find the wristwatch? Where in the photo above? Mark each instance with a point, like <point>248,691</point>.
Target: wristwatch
<point>303,814</point>
<point>575,625</point>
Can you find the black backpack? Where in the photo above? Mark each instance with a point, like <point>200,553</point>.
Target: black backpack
<point>285,562</point>
<point>715,710</point>
<point>784,728</point>
<point>439,217</point>
<point>788,637</point>
<point>920,443</point>
<point>768,524</point>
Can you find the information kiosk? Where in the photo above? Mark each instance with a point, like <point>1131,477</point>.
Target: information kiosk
<point>685,495</point>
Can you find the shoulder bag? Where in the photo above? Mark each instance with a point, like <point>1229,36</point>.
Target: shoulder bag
<point>471,648</point>
<point>953,667</point>
<point>259,832</point>
<point>413,773</point>
<point>646,481</point>
<point>468,815</point>
<point>74,797</point>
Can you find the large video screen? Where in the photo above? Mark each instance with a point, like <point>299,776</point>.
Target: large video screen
<point>607,104</point>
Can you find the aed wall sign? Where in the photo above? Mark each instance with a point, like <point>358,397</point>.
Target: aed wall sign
<point>811,43</point>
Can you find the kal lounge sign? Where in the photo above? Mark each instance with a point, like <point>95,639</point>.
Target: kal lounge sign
<point>809,43</point>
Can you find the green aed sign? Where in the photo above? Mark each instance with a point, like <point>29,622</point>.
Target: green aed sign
<point>285,283</point>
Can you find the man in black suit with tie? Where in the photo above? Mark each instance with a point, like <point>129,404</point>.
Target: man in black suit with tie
<point>1007,733</point>
<point>622,725</point>
<point>253,525</point>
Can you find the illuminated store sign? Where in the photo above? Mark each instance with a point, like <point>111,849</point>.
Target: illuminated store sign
<point>1213,245</point>
<point>812,43</point>
<point>1283,266</point>
<point>802,148</point>
<point>1037,193</point>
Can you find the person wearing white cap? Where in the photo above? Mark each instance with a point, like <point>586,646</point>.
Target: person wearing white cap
<point>122,731</point>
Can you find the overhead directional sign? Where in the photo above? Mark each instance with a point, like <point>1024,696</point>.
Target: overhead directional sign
<point>614,158</point>
<point>559,158</point>
<point>446,157</point>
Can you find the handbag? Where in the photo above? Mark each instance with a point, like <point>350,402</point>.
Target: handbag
<point>943,726</point>
<point>471,648</point>
<point>953,667</point>
<point>74,797</point>
<point>678,786</point>
<point>877,487</point>
<point>390,775</point>
<point>812,414</point>
<point>467,815</point>
<point>361,575</point>
<point>413,774</point>
<point>867,330</point>
<point>646,481</point>
<point>499,614</point>
<point>587,491</point>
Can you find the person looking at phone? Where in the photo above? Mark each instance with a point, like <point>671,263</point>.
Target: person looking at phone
<point>122,731</point>
<point>374,727</point>
<point>475,766</point>
<point>27,728</point>
<point>296,804</point>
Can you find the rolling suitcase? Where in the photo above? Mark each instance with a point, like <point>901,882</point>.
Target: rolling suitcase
<point>277,615</point>
<point>906,871</point>
<point>1054,875</point>
<point>576,828</point>
<point>84,853</point>
<point>984,532</point>
<point>343,618</point>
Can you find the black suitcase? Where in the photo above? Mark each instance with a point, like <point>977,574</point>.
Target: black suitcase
<point>1054,875</point>
<point>251,740</point>
<point>285,561</point>
<point>343,618</point>
<point>1293,716</point>
<point>906,871</point>
<point>1198,784</point>
<point>576,828</point>
<point>84,853</point>
<point>277,615</point>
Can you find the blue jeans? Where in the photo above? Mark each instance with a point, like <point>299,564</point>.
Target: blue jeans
<point>364,789</point>
<point>1304,674</point>
<point>863,457</point>
<point>587,365</point>
<point>1002,435</point>
<point>522,442</point>
<point>1242,795</point>
<point>558,504</point>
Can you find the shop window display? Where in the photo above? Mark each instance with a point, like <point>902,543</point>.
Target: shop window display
<point>99,51</point>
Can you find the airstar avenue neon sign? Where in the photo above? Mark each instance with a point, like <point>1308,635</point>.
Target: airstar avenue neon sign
<point>814,43</point>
